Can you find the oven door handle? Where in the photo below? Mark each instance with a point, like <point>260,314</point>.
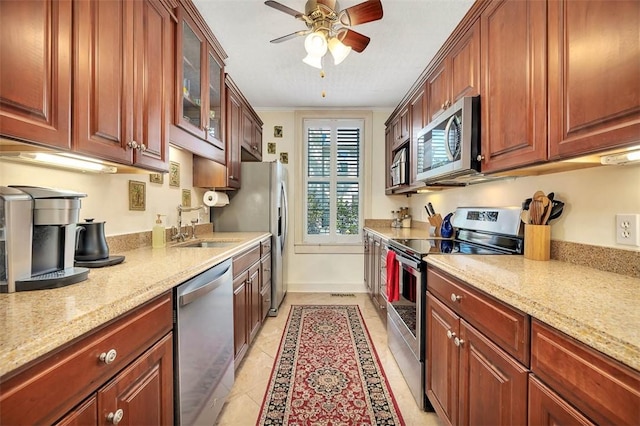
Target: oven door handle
<point>407,261</point>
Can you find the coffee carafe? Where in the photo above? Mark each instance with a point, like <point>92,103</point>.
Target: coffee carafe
<point>92,243</point>
<point>37,238</point>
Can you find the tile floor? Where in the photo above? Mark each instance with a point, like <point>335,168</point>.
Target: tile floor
<point>243,405</point>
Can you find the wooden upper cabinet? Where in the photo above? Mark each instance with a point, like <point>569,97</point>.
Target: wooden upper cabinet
<point>594,76</point>
<point>234,133</point>
<point>199,91</point>
<point>153,56</point>
<point>513,87</point>
<point>417,112</point>
<point>122,63</point>
<point>35,71</point>
<point>457,75</point>
<point>400,127</point>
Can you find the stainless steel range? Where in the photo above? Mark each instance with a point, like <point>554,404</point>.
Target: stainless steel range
<point>479,230</point>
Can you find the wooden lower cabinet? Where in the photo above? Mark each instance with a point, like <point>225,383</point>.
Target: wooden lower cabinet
<point>81,384</point>
<point>469,379</point>
<point>250,296</point>
<point>547,408</point>
<point>601,388</point>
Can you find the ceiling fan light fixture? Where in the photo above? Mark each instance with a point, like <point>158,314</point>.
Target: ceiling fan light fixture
<point>314,61</point>
<point>338,50</point>
<point>316,44</point>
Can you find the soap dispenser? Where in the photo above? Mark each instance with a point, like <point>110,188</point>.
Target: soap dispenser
<point>158,234</point>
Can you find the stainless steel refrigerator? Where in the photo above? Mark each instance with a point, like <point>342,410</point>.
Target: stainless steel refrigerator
<point>260,205</point>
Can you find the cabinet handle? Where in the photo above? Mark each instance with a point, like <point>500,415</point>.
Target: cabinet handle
<point>115,418</point>
<point>133,145</point>
<point>108,357</point>
<point>232,177</point>
<point>455,298</point>
<point>480,157</point>
<point>451,334</point>
<point>442,106</point>
<point>458,342</point>
<point>267,270</point>
<point>142,147</point>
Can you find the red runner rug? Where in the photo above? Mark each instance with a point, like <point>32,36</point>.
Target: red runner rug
<point>327,372</point>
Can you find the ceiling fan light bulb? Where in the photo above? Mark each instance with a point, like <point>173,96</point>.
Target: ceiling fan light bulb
<point>315,44</point>
<point>338,50</point>
<point>314,61</point>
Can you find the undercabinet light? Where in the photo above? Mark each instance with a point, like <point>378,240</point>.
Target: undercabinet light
<point>629,157</point>
<point>59,160</point>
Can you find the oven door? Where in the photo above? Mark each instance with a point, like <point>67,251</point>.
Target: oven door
<point>406,312</point>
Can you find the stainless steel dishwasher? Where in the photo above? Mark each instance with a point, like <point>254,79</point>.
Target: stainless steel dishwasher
<point>204,368</point>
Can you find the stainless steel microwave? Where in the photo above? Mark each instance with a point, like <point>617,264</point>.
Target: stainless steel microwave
<point>449,147</point>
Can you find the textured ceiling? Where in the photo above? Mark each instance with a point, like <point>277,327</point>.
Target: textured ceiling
<point>274,76</point>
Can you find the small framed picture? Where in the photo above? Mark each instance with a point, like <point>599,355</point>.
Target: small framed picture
<point>156,178</point>
<point>137,195</point>
<point>271,147</point>
<point>284,157</point>
<point>174,173</point>
<point>277,131</point>
<point>186,198</point>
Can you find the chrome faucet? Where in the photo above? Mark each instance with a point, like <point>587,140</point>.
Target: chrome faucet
<point>177,234</point>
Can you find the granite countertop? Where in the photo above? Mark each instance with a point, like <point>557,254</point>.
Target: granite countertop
<point>600,309</point>
<point>34,323</point>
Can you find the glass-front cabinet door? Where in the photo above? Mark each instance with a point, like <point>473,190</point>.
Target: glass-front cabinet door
<point>190,118</point>
<point>213,128</point>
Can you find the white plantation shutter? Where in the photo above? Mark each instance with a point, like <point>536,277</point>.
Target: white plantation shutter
<point>333,180</point>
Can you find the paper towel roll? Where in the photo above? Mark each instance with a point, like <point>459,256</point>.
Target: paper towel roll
<point>215,199</point>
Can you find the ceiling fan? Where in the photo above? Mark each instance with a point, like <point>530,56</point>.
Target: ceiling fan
<point>328,27</point>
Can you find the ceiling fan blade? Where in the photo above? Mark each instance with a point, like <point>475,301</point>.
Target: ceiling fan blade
<point>282,8</point>
<point>290,36</point>
<point>362,13</point>
<point>355,40</point>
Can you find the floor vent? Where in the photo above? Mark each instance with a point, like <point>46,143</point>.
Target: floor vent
<point>343,295</point>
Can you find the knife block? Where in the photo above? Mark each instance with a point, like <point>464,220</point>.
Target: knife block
<point>436,222</point>
<point>537,242</point>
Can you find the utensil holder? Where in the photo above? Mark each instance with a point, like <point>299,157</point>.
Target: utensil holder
<point>436,222</point>
<point>537,242</point>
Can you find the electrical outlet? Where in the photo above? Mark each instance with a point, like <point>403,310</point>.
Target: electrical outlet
<point>627,229</point>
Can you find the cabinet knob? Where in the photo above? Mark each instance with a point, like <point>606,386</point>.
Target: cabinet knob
<point>443,106</point>
<point>133,145</point>
<point>458,342</point>
<point>142,147</point>
<point>450,334</point>
<point>267,270</point>
<point>114,418</point>
<point>232,177</point>
<point>480,157</point>
<point>455,298</point>
<point>108,357</point>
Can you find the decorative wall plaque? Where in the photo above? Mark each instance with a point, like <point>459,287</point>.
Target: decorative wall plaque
<point>271,147</point>
<point>174,173</point>
<point>277,131</point>
<point>186,198</point>
<point>284,157</point>
<point>137,195</point>
<point>156,178</point>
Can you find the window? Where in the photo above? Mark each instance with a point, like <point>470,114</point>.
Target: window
<point>333,180</point>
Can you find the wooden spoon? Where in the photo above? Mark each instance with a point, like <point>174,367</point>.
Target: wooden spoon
<point>525,216</point>
<point>535,211</point>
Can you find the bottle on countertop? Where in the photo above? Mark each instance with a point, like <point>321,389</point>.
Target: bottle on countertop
<point>158,234</point>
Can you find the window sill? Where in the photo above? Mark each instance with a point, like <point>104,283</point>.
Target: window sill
<point>356,248</point>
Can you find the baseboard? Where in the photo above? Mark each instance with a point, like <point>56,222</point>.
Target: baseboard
<point>357,287</point>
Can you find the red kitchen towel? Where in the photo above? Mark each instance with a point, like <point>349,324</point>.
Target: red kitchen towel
<point>393,286</point>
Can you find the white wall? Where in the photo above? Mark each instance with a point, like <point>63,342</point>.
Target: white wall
<point>107,195</point>
<point>329,272</point>
<point>593,197</point>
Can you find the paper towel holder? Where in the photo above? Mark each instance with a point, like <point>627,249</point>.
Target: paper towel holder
<point>215,199</point>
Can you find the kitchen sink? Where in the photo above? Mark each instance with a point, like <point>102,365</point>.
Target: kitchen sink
<point>209,244</point>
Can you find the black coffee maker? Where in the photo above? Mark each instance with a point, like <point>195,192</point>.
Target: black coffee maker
<point>39,230</point>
